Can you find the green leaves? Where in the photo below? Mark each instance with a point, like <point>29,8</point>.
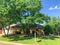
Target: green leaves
<point>3,10</point>
<point>15,10</point>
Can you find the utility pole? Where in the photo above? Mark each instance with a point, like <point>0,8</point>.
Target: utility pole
<point>35,35</point>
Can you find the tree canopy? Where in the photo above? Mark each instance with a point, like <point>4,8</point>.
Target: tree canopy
<point>21,11</point>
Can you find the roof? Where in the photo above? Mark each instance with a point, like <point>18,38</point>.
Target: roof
<point>15,25</point>
<point>36,26</point>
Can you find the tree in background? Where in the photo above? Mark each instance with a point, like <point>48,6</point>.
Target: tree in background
<point>53,26</point>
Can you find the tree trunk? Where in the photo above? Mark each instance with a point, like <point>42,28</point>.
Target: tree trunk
<point>6,30</point>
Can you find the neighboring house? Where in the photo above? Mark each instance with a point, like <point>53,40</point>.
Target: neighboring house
<point>1,32</point>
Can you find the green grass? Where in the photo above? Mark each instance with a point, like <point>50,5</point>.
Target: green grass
<point>50,42</point>
<point>31,40</point>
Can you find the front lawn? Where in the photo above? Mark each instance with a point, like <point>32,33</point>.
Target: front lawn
<point>31,40</point>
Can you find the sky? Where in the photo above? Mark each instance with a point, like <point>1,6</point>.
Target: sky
<point>51,7</point>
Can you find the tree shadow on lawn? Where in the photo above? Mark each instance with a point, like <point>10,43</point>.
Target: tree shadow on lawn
<point>21,37</point>
<point>48,37</point>
<point>18,37</point>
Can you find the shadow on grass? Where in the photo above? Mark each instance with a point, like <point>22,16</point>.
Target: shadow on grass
<point>18,37</point>
<point>49,37</point>
<point>39,41</point>
<point>22,37</point>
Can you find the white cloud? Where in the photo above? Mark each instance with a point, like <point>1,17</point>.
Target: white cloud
<point>50,8</point>
<point>53,8</point>
<point>56,7</point>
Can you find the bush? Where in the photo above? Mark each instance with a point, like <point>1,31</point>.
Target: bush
<point>48,30</point>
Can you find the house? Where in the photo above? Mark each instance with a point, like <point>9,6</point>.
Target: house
<point>12,29</point>
<point>39,29</point>
<point>16,29</point>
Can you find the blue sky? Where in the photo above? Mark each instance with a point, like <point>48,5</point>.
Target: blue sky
<point>51,7</point>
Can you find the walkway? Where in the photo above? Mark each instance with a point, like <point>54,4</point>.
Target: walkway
<point>11,43</point>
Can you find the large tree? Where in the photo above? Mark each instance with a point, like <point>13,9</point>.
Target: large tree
<point>21,11</point>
